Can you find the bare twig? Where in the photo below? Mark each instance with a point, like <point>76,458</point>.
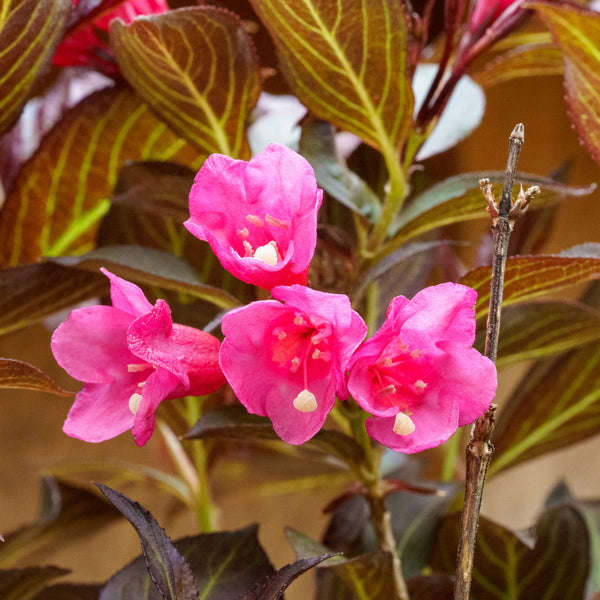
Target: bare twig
<point>480,447</point>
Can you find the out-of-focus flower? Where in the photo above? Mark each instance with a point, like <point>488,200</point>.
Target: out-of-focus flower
<point>486,12</point>
<point>88,44</point>
<point>131,357</point>
<point>419,375</point>
<point>259,217</point>
<point>288,361</point>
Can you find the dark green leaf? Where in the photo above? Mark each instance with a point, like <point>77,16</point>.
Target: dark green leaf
<point>169,571</point>
<point>539,329</point>
<point>235,422</point>
<point>368,576</point>
<point>576,33</point>
<point>68,514</point>
<point>225,565</point>
<point>556,404</point>
<point>24,584</point>
<point>18,374</point>
<point>347,62</point>
<point>60,195</point>
<point>155,187</point>
<point>30,30</point>
<point>389,262</point>
<point>527,277</point>
<point>317,145</point>
<point>31,292</point>
<point>552,564</point>
<point>414,517</point>
<point>152,267</point>
<point>197,68</point>
<point>274,586</point>
<point>459,199</point>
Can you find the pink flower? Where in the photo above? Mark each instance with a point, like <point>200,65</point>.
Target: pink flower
<point>87,46</point>
<point>259,217</point>
<point>131,357</point>
<point>418,375</point>
<point>288,361</point>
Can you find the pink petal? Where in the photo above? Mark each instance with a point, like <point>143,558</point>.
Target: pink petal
<point>127,296</point>
<point>242,356</point>
<point>91,345</point>
<point>100,411</point>
<point>291,425</point>
<point>441,312</point>
<point>469,378</point>
<point>350,329</point>
<point>159,386</point>
<point>183,351</point>
<point>433,426</point>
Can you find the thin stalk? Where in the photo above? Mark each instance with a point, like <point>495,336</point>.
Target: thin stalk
<point>375,494</point>
<point>480,448</point>
<point>394,199</point>
<point>206,512</point>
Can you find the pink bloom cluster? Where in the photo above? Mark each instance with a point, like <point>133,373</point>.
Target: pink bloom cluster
<point>287,358</point>
<point>87,45</point>
<point>131,357</point>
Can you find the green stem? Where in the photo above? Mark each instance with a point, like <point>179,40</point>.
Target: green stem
<point>374,485</point>
<point>397,192</point>
<point>206,511</point>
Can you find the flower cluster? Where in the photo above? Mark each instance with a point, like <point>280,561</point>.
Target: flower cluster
<point>287,358</point>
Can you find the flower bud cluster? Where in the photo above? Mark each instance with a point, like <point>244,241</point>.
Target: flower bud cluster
<point>287,358</point>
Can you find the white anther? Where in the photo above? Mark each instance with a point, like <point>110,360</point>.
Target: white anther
<point>134,403</point>
<point>137,367</point>
<point>267,253</point>
<point>305,401</point>
<point>403,424</point>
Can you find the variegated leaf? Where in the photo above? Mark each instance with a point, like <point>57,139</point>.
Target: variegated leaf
<point>196,67</point>
<point>59,195</point>
<point>30,30</point>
